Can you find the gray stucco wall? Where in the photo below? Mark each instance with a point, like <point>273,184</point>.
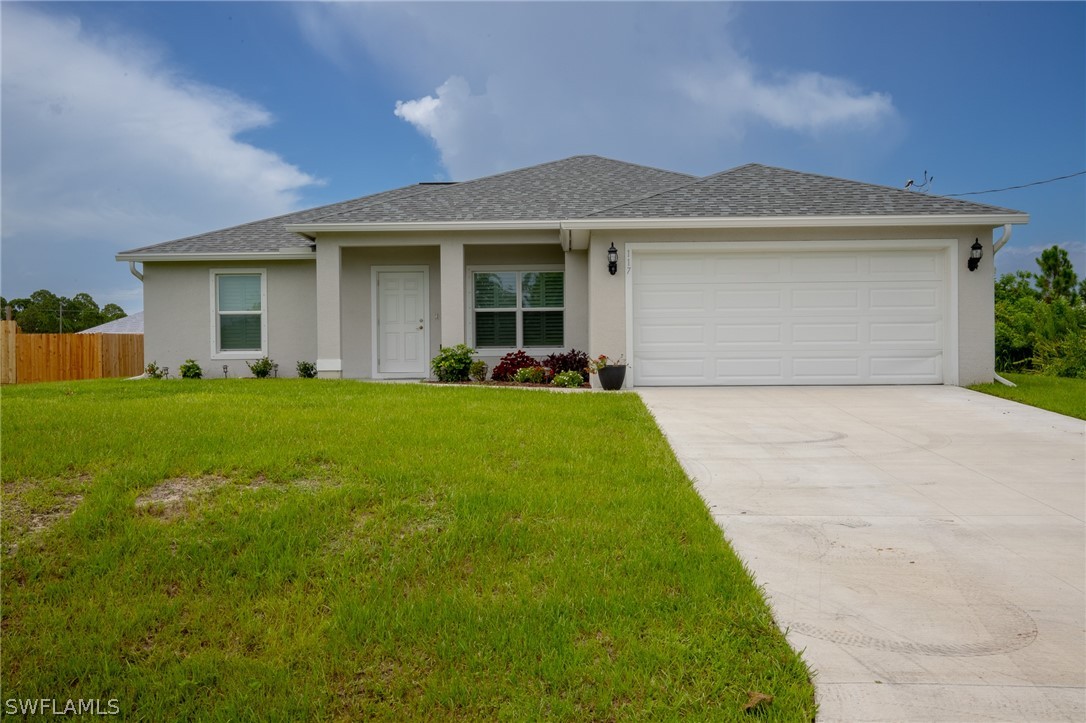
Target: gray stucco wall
<point>177,314</point>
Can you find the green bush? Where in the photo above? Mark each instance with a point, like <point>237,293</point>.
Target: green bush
<point>191,370</point>
<point>1040,332</point>
<point>478,370</point>
<point>261,368</point>
<point>154,371</point>
<point>452,363</point>
<point>307,369</point>
<point>570,379</point>
<point>530,375</point>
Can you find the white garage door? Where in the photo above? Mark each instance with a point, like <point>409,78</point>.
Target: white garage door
<point>834,317</point>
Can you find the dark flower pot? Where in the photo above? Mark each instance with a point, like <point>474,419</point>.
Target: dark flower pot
<point>611,377</point>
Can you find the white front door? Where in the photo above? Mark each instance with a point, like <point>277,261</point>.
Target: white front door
<point>402,335</point>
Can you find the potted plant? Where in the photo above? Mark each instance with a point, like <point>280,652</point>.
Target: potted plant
<point>612,372</point>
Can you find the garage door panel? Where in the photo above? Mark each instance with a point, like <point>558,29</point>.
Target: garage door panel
<point>826,369</point>
<point>816,333</point>
<point>743,268</point>
<point>762,370</point>
<point>906,265</point>
<point>667,335</point>
<point>820,267</point>
<point>748,333</point>
<point>827,299</point>
<point>690,302</point>
<point>906,332</point>
<point>917,369</point>
<point>850,317</point>
<point>749,300</point>
<point>909,298</point>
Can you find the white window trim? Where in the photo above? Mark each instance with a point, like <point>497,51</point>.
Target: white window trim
<point>469,303</point>
<point>247,353</point>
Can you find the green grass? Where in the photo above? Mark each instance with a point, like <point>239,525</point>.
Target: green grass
<point>358,551</point>
<point>1056,394</point>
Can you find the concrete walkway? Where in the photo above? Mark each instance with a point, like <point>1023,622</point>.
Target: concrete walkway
<point>923,545</point>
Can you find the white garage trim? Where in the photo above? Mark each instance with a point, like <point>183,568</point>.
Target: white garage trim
<point>947,248</point>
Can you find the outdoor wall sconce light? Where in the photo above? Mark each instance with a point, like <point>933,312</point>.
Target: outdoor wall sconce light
<point>612,259</point>
<point>976,252</point>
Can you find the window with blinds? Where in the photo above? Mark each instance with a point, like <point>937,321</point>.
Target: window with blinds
<point>239,312</point>
<point>519,309</point>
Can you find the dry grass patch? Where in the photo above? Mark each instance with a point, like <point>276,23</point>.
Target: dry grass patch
<point>31,507</point>
<point>171,498</point>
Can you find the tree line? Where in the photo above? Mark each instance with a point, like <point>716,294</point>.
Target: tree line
<point>43,312</point>
<point>1040,318</point>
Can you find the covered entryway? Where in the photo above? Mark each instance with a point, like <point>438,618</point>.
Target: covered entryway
<point>749,316</point>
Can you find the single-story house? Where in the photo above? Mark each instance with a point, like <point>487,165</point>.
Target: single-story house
<point>131,324</point>
<point>754,276</point>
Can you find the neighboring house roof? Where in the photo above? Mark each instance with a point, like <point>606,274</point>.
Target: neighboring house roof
<point>131,324</point>
<point>586,190</point>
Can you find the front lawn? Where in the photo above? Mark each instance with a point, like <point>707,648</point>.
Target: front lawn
<point>301,549</point>
<point>1056,394</point>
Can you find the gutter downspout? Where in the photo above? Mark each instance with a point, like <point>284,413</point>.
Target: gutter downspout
<point>132,270</point>
<point>995,249</point>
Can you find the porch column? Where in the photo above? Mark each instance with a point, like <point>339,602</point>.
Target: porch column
<point>329,358</point>
<point>452,293</point>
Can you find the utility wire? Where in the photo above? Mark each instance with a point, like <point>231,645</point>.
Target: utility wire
<point>1011,188</point>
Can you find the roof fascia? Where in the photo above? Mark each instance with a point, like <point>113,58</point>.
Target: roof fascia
<point>291,255</point>
<point>797,221</point>
<point>309,229</point>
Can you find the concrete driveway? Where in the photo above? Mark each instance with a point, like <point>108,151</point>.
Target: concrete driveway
<point>923,545</point>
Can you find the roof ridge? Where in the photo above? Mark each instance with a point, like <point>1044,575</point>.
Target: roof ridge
<point>692,180</point>
<point>460,184</point>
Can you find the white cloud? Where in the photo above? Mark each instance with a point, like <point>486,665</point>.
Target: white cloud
<point>504,85</point>
<point>106,147</point>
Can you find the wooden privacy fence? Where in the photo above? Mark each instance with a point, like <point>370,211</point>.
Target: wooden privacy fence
<point>62,357</point>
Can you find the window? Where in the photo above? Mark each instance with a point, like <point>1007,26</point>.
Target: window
<point>238,304</point>
<point>518,309</point>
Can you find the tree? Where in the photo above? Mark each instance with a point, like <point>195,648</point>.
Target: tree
<point>1041,328</point>
<point>43,312</point>
<point>1057,278</point>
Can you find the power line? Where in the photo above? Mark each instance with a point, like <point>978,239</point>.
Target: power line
<point>1024,185</point>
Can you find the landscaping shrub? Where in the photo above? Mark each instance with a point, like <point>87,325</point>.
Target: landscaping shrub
<point>570,361</point>
<point>531,375</point>
<point>478,370</point>
<point>261,368</point>
<point>307,369</point>
<point>154,371</point>
<point>511,363</point>
<point>452,363</point>
<point>191,370</point>
<point>571,379</point>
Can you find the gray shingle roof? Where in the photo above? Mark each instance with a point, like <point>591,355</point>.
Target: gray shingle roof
<point>269,234</point>
<point>570,188</point>
<point>756,190</point>
<point>131,324</point>
<point>586,187</point>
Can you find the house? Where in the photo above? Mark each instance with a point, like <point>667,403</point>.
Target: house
<point>756,275</point>
<point>131,324</point>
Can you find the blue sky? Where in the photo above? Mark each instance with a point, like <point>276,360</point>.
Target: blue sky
<point>125,124</point>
